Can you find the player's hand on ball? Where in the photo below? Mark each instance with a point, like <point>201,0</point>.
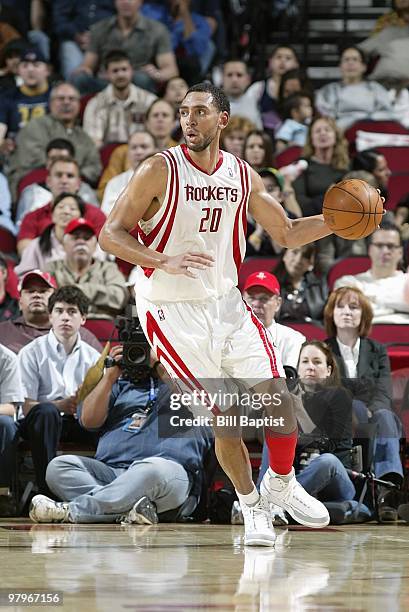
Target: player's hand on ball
<point>181,264</point>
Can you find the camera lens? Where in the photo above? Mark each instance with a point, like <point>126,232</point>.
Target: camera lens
<point>135,355</point>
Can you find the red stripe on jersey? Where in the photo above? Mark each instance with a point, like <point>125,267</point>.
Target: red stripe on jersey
<point>162,244</point>
<point>186,153</point>
<point>153,329</point>
<point>244,209</point>
<point>237,256</point>
<point>172,203</point>
<point>266,342</point>
<point>147,239</point>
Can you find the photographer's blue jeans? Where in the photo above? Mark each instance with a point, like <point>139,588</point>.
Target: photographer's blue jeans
<point>8,435</point>
<point>98,493</point>
<point>389,431</point>
<point>324,477</point>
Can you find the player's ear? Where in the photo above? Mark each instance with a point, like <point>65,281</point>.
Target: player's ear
<point>223,120</point>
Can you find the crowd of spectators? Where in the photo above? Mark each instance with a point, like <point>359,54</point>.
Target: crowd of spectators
<point>88,91</point>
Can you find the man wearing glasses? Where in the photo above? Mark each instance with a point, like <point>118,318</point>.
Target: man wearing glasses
<point>384,283</point>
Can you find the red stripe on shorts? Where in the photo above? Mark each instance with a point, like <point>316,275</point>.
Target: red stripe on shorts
<point>153,329</point>
<point>266,342</point>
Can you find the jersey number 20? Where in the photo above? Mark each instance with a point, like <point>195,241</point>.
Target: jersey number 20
<point>211,220</point>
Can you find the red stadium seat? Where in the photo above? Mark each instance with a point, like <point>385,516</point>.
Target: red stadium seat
<point>7,241</point>
<point>38,175</point>
<point>106,151</point>
<point>388,333</point>
<point>83,103</point>
<point>397,158</point>
<point>12,281</point>
<point>398,186</point>
<point>256,264</point>
<point>103,329</point>
<point>348,265</point>
<point>310,330</point>
<point>288,156</point>
<point>366,125</point>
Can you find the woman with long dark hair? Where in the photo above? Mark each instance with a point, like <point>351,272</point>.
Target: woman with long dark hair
<point>48,247</point>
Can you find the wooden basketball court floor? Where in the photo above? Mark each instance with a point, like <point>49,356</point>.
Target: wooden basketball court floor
<point>110,568</point>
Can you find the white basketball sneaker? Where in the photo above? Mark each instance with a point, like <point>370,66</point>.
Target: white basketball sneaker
<point>46,510</point>
<point>287,493</point>
<point>258,528</point>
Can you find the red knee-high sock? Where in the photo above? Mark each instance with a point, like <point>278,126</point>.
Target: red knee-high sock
<point>281,450</point>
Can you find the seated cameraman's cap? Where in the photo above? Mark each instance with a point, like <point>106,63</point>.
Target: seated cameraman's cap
<point>38,274</point>
<point>263,279</point>
<point>279,179</point>
<point>76,223</point>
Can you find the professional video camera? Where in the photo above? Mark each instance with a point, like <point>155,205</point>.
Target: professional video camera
<point>135,362</point>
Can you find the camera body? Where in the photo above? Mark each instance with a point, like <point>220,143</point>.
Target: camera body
<point>135,362</point>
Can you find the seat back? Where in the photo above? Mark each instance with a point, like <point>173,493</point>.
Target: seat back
<point>256,264</point>
<point>367,125</point>
<point>288,156</point>
<point>347,265</point>
<point>310,330</point>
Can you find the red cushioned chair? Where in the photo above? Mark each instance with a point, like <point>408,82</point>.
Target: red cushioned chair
<point>7,241</point>
<point>12,281</point>
<point>398,186</point>
<point>83,103</point>
<point>103,329</point>
<point>106,151</point>
<point>256,264</point>
<point>348,265</point>
<point>388,333</point>
<point>288,156</point>
<point>38,175</point>
<point>310,330</point>
<point>366,125</point>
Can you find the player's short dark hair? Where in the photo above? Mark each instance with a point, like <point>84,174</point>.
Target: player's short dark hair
<point>70,295</point>
<point>220,100</point>
<point>62,144</point>
<point>116,55</point>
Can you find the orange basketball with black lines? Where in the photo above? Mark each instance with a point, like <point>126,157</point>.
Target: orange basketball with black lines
<point>352,209</point>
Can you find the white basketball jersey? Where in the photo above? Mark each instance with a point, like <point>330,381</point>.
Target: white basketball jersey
<point>201,212</point>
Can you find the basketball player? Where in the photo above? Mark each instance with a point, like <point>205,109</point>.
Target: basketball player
<point>190,205</point>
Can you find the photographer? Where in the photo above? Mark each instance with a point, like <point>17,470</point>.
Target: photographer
<point>136,474</point>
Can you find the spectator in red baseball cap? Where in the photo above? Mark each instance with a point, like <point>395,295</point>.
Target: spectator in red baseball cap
<point>262,292</point>
<point>101,281</point>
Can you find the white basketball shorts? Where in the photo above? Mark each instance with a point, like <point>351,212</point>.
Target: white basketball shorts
<point>218,340</point>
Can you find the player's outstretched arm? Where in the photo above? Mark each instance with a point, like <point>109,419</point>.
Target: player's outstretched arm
<point>141,199</point>
<point>271,215</point>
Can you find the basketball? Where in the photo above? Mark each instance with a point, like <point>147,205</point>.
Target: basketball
<point>352,209</point>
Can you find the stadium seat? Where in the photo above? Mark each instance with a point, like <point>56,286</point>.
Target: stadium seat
<point>38,175</point>
<point>397,158</point>
<point>288,156</point>
<point>106,151</point>
<point>366,125</point>
<point>12,281</point>
<point>83,103</point>
<point>398,186</point>
<point>311,331</point>
<point>347,265</point>
<point>7,241</point>
<point>103,329</point>
<point>256,264</point>
<point>398,354</point>
<point>389,333</point>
